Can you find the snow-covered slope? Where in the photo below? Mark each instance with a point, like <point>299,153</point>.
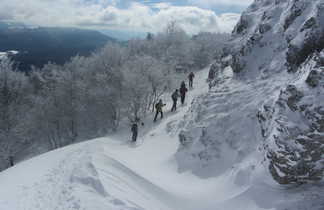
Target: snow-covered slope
<point>111,174</point>
<point>77,177</point>
<point>228,148</point>
<point>264,116</point>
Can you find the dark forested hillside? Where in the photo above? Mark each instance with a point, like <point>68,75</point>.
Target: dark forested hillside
<point>38,46</point>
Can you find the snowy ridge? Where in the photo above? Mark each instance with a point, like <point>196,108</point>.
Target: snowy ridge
<point>80,177</point>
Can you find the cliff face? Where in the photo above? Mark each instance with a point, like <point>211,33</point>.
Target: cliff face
<point>269,103</point>
<point>293,127</point>
<point>285,32</point>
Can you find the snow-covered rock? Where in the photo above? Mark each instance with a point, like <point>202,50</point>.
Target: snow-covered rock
<point>293,128</point>
<point>276,83</point>
<point>288,31</point>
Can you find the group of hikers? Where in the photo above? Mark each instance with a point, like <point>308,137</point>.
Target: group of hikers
<point>178,93</point>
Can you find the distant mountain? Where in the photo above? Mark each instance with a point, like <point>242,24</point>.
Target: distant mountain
<point>123,35</point>
<point>40,45</point>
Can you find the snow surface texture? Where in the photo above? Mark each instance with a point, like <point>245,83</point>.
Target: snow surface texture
<point>112,174</point>
<point>220,150</point>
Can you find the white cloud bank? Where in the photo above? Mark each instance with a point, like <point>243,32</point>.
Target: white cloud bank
<point>210,3</point>
<point>102,15</point>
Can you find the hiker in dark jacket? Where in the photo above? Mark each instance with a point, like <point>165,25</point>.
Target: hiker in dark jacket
<point>175,95</point>
<point>191,76</point>
<point>183,91</point>
<point>158,108</point>
<point>134,131</point>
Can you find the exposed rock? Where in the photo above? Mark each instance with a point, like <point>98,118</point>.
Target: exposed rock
<point>310,23</point>
<point>294,97</point>
<point>296,10</point>
<point>308,41</point>
<point>238,63</point>
<point>263,28</point>
<point>241,26</point>
<point>294,130</point>
<point>313,78</point>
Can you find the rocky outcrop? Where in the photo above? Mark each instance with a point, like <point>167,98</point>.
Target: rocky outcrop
<point>313,40</point>
<point>275,43</point>
<point>292,29</point>
<point>293,128</point>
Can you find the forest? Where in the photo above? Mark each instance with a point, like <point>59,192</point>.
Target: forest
<point>88,97</point>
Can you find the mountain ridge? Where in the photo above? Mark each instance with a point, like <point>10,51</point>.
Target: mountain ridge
<point>39,45</point>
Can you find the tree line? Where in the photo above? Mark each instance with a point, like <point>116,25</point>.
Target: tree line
<point>88,97</point>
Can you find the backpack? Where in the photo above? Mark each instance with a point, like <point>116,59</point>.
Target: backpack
<point>183,90</point>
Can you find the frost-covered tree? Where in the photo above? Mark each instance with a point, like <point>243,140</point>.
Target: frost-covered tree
<point>208,46</point>
<point>106,83</point>
<point>141,96</point>
<point>14,106</point>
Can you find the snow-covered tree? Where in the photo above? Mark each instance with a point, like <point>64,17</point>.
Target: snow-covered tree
<point>141,96</point>
<point>14,105</point>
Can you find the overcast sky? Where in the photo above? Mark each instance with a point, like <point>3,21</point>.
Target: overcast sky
<point>141,16</point>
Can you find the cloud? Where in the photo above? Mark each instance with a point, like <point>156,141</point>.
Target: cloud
<point>105,14</point>
<point>161,5</point>
<point>228,21</point>
<point>210,3</point>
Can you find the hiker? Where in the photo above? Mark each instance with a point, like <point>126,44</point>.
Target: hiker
<point>158,108</point>
<point>134,131</point>
<point>191,76</point>
<point>210,84</point>
<point>183,91</point>
<point>175,95</point>
<point>11,160</point>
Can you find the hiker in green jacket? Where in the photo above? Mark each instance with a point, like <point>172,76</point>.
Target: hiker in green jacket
<point>159,110</point>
